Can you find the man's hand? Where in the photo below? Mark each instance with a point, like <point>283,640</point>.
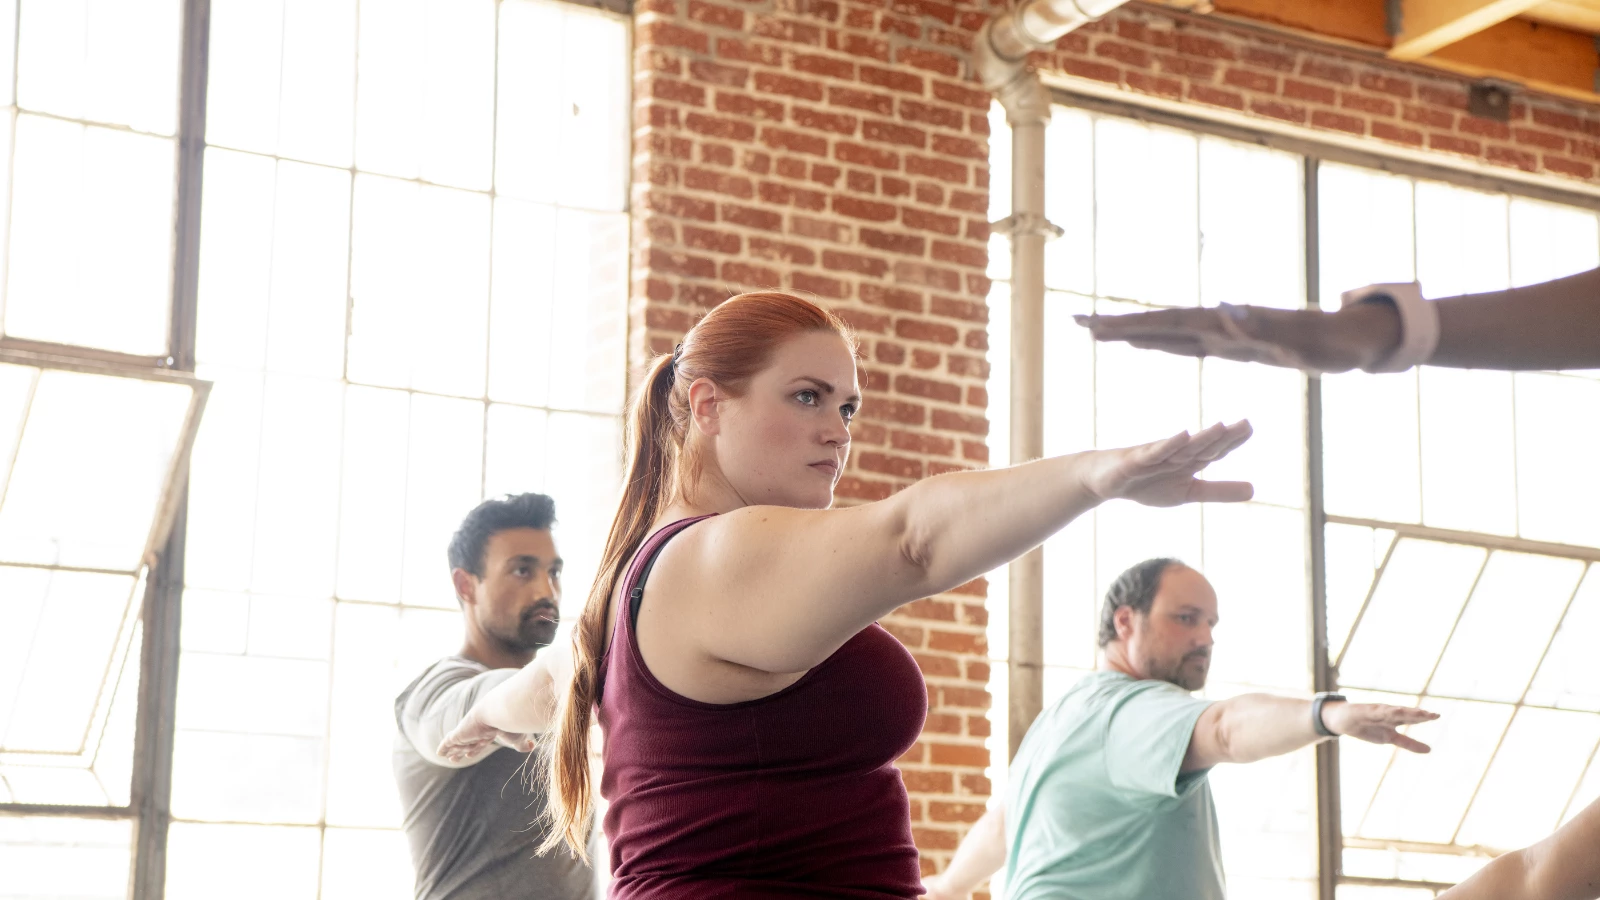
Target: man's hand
<point>1311,340</point>
<point>1376,723</point>
<point>473,738</point>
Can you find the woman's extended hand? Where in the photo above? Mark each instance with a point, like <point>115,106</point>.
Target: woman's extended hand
<point>1305,339</point>
<point>473,737</point>
<point>1162,473</point>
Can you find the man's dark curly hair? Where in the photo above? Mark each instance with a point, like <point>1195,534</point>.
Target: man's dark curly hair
<point>1135,588</point>
<point>493,516</point>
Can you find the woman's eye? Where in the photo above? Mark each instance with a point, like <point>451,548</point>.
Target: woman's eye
<point>809,398</point>
<point>848,411</point>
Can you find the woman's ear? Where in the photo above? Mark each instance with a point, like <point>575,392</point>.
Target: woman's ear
<point>705,405</point>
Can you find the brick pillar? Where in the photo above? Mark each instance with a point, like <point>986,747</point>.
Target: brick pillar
<point>839,149</point>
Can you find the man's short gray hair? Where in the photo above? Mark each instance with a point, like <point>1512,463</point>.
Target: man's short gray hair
<point>1136,588</point>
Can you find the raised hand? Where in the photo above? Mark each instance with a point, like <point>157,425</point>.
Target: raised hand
<point>933,889</point>
<point>1297,339</point>
<point>1162,473</point>
<point>474,737</point>
<point>1376,723</point>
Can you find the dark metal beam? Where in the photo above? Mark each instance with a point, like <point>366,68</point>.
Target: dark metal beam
<point>1330,847</point>
<point>158,664</point>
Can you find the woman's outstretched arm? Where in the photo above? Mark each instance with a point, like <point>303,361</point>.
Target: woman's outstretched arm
<point>779,589</point>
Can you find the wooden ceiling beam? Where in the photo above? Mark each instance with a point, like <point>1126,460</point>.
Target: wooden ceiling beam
<point>1429,25</point>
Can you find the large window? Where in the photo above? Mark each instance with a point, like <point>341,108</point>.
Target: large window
<point>1457,533</point>
<point>412,296</point>
<point>398,250</point>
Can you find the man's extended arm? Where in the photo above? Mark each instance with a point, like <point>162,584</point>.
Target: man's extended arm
<point>1249,727</point>
<point>439,703</point>
<point>981,854</point>
<point>1563,866</point>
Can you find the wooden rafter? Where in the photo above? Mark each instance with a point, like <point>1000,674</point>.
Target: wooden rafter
<point>1428,25</point>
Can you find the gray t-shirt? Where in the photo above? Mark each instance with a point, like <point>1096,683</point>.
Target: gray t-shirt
<point>473,829</point>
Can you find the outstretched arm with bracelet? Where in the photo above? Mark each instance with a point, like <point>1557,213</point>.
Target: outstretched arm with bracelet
<point>1551,325</point>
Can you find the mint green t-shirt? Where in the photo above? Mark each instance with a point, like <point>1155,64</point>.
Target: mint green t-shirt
<point>1097,809</point>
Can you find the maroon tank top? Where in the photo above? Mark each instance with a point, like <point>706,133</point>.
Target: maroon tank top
<point>792,795</point>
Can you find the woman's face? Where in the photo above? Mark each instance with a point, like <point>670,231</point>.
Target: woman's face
<point>785,441</point>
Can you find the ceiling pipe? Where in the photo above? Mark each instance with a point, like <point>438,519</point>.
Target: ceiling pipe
<point>1000,57</point>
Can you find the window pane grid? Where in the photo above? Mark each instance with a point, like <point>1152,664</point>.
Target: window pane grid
<point>389,308</point>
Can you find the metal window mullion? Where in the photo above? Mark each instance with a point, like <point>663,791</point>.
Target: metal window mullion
<point>151,790</point>
<point>1330,837</point>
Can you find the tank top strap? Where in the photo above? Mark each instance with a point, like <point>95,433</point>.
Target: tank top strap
<point>639,571</point>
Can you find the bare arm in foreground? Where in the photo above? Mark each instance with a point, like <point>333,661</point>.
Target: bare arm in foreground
<point>1563,866</point>
<point>1552,325</point>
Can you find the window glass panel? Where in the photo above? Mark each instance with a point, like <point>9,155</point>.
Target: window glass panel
<point>53,784</point>
<point>515,456</point>
<point>414,245</point>
<point>255,862</point>
<point>1462,241</point>
<point>1506,626</point>
<point>91,442</point>
<point>1371,892</point>
<point>1353,555</point>
<point>425,91</point>
<point>1522,796</point>
<point>1558,425</point>
<point>297,503</point>
<point>1126,534</point>
<point>1070,623</point>
<point>1255,559</point>
<point>359,864</point>
<point>1069,378</point>
<point>1071,607</point>
<point>1370,446</point>
<point>1588,791</point>
<point>235,259</point>
<point>1550,241</point>
<point>291,627</point>
<point>85,859</point>
<point>1145,208</point>
<point>254,695</point>
<point>1468,471</point>
<point>1397,642</point>
<point>310,231</point>
<point>91,237</point>
<point>215,621</point>
<point>372,511</point>
<point>362,728</point>
<point>586,451</point>
<point>521,300</point>
<point>1423,796</point>
<point>285,783</point>
<point>586,116</point>
<point>1569,678</point>
<point>1274,459</point>
<point>588,325</point>
<point>244,70</point>
<point>1441,868</point>
<point>1142,396</point>
<point>8,50</point>
<point>16,392</point>
<point>1252,232</point>
<point>1266,819</point>
<point>105,62</point>
<point>1068,202</point>
<point>1364,229</point>
<point>219,546</point>
<point>317,85</point>
<point>77,630</point>
<point>444,481</point>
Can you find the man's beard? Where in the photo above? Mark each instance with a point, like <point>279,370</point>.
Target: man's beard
<point>1183,672</point>
<point>530,632</point>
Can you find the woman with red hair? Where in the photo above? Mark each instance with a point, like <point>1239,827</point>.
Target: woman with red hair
<point>751,707</point>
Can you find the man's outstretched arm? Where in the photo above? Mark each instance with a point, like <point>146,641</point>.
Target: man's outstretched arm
<point>1249,727</point>
<point>1563,866</point>
<point>981,854</point>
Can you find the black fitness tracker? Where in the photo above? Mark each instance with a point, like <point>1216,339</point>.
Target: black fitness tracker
<point>1316,712</point>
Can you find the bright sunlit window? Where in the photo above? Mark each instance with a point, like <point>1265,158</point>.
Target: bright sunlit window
<point>1457,542</point>
<point>412,296</point>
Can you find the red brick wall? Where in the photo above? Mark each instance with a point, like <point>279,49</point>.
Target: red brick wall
<point>1206,63</point>
<point>838,149</point>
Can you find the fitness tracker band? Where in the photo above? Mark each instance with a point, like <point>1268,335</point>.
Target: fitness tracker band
<point>1316,712</point>
<point>1419,323</point>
